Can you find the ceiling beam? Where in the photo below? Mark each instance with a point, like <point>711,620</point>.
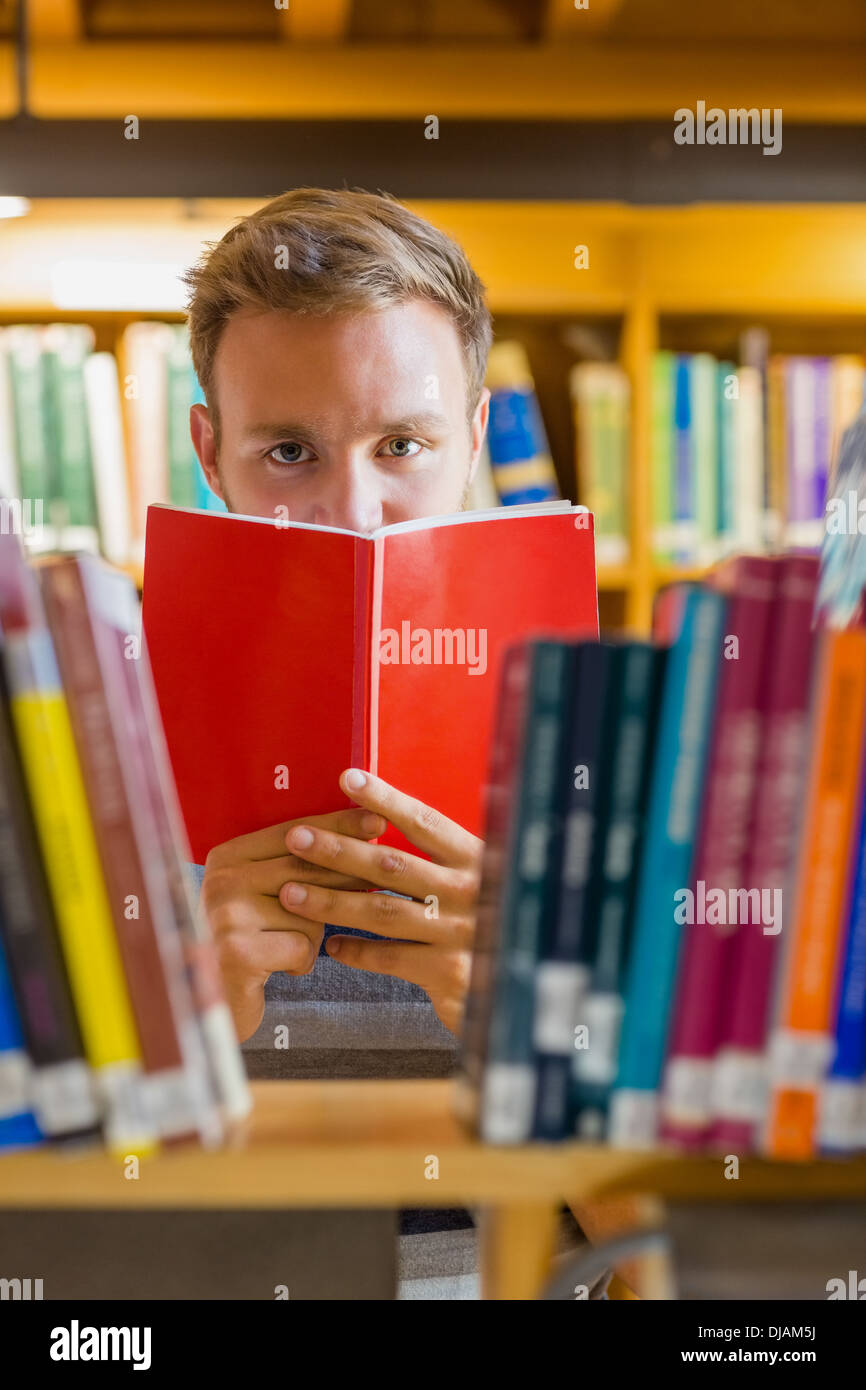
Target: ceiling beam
<point>314,21</point>
<point>54,21</point>
<point>591,81</point>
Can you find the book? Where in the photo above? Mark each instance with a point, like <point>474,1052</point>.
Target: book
<point>801,1037</point>
<point>18,1127</point>
<point>33,464</point>
<point>671,826</point>
<point>722,894</point>
<point>85,605</point>
<point>740,1081</point>
<point>143,354</point>
<point>523,470</point>
<point>72,507</point>
<point>9,480</point>
<point>562,975</point>
<point>61,1087</point>
<point>399,641</point>
<point>107,450</point>
<point>600,396</point>
<point>509,1088</point>
<point>613,880</point>
<point>685,527</point>
<point>500,823</point>
<point>65,831</point>
<point>749,446</point>
<point>703,381</point>
<point>663,453</point>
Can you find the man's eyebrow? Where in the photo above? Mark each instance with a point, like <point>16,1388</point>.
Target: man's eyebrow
<point>419,423</point>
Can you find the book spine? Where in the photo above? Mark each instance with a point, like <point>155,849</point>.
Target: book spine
<point>823,435</point>
<point>727,384</point>
<point>663,454</point>
<point>801,1040</point>
<point>144,350</point>
<point>23,345</point>
<point>802,467</point>
<point>750,461</point>
<point>63,1097</point>
<point>777,449</point>
<point>365,684</point>
<point>674,804</point>
<point>66,346</point>
<point>509,1085</point>
<point>69,852</point>
<point>702,382</point>
<point>499,829</point>
<point>562,974</point>
<point>613,889</point>
<point>719,892</point>
<point>739,1085</point>
<point>167,1085</point>
<point>10,483</point>
<point>105,428</point>
<point>215,1021</point>
<point>841,1113</point>
<point>182,460</point>
<point>684,473</point>
<point>17,1124</point>
<point>523,470</point>
<point>599,393</point>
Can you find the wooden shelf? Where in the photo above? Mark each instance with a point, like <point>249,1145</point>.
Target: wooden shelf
<point>370,1143</point>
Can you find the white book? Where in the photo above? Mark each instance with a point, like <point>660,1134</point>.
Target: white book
<point>145,349</point>
<point>109,456</point>
<point>9,483</point>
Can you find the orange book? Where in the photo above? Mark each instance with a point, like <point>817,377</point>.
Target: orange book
<point>801,1042</point>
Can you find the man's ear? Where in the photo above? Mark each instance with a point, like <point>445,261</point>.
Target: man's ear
<point>201,433</point>
<point>479,430</point>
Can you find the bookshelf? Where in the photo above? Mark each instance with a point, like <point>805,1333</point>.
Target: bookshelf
<point>691,277</point>
<point>314,1144</point>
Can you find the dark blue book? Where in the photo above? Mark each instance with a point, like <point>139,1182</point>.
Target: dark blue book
<point>613,878</point>
<point>563,973</point>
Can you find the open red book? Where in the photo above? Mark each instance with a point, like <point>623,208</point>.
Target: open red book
<point>283,653</point>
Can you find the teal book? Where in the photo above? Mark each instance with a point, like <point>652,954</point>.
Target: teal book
<point>528,899</point>
<point>613,879</point>
<point>687,705</point>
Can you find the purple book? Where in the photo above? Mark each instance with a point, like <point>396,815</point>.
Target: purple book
<point>712,906</point>
<point>822,378</point>
<point>740,1088</point>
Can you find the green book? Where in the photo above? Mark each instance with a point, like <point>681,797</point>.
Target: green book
<point>23,344</point>
<point>703,371</point>
<point>600,394</point>
<point>663,454</point>
<point>180,383</point>
<point>72,502</point>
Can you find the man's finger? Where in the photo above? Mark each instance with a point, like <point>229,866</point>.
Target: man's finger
<point>373,866</point>
<point>382,913</point>
<point>270,842</point>
<point>399,958</point>
<point>267,876</point>
<point>444,840</point>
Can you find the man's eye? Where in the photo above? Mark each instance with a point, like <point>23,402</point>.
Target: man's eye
<point>403,448</point>
<point>290,453</point>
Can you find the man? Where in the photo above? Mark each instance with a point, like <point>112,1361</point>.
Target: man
<point>341,343</point>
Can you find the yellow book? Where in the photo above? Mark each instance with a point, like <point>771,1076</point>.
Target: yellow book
<point>77,887</point>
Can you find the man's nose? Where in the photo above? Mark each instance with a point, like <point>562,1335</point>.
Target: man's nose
<point>352,501</point>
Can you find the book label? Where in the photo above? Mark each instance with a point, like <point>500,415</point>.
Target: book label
<point>740,1086</point>
<point>63,1097</point>
<point>559,988</point>
<point>509,1100</point>
<point>602,1014</point>
<point>798,1059</point>
<point>633,1119</point>
<point>687,1090</point>
<point>15,1073</point>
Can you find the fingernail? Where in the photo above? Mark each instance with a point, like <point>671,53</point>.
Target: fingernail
<point>372,824</point>
<point>295,893</point>
<point>356,779</point>
<point>301,838</point>
<point>332,946</point>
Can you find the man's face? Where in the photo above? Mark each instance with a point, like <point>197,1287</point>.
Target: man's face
<point>356,421</point>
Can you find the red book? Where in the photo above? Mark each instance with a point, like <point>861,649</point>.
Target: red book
<point>740,1081</point>
<point>283,653</point>
<point>717,881</point>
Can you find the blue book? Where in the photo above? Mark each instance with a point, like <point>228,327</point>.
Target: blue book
<point>17,1125</point>
<point>843,1093</point>
<point>523,470</point>
<point>563,973</point>
<point>527,897</point>
<point>684,528</point>
<point>688,701</point>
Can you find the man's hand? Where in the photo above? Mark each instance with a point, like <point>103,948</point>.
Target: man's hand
<point>429,940</point>
<point>254,935</point>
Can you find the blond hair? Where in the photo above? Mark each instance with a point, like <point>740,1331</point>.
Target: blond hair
<point>317,251</point>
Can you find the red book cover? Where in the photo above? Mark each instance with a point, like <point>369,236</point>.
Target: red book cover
<point>711,929</point>
<point>740,1081</point>
<point>283,653</point>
